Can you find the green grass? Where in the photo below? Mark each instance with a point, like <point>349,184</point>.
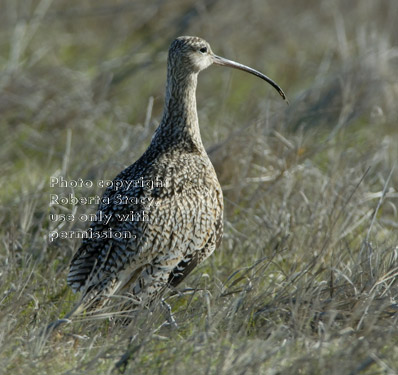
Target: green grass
<point>305,279</point>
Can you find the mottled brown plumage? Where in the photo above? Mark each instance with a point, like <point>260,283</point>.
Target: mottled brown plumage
<point>183,224</point>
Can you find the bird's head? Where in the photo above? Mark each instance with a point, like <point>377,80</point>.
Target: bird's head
<point>191,54</point>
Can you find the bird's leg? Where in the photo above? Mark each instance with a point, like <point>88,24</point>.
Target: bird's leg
<point>150,284</point>
<point>170,321</point>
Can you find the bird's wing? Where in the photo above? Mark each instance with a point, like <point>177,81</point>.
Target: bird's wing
<point>91,265</point>
<point>177,224</point>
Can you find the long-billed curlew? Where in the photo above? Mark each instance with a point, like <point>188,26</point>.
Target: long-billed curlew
<point>181,207</point>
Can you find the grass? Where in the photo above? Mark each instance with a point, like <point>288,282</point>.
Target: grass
<point>305,279</point>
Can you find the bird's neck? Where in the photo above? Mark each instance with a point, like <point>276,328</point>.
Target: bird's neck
<point>180,117</point>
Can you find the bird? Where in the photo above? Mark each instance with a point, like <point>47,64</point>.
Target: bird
<point>167,207</point>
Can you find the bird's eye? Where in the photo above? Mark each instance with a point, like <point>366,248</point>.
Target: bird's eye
<point>203,49</point>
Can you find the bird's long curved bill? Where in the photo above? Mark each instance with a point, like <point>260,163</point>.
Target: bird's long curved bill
<point>232,64</point>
